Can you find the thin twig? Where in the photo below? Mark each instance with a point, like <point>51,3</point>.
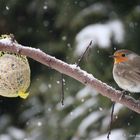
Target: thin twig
<point>111,120</point>
<point>82,56</point>
<point>62,89</point>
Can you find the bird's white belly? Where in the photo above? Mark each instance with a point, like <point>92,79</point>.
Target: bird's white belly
<point>127,85</point>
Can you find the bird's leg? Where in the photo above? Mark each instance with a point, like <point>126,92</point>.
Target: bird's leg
<point>124,92</point>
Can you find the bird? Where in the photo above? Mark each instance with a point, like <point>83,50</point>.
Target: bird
<point>126,70</point>
<point>14,74</point>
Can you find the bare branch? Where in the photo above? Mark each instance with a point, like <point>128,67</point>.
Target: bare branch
<point>72,71</point>
<point>111,120</point>
<point>82,56</point>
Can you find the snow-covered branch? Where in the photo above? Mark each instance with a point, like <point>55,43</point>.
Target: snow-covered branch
<point>71,70</point>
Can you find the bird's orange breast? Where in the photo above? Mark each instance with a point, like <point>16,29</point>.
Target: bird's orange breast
<point>119,59</point>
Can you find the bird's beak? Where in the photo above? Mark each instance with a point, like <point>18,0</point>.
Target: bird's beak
<point>112,56</point>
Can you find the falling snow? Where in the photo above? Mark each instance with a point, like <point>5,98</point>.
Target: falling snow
<point>100,108</point>
<point>49,109</point>
<point>45,7</point>
<point>82,100</point>
<point>49,85</point>
<point>58,82</point>
<point>7,8</point>
<point>43,87</point>
<point>39,123</point>
<point>64,38</point>
<point>69,45</point>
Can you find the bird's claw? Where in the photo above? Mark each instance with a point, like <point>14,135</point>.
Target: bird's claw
<point>123,93</point>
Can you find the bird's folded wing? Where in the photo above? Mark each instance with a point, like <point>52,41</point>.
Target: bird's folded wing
<point>132,75</point>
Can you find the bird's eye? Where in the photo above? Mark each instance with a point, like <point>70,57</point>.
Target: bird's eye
<point>123,55</point>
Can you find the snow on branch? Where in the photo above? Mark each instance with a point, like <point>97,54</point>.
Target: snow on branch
<point>71,70</point>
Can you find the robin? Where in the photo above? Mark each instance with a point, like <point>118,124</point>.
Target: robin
<point>126,70</point>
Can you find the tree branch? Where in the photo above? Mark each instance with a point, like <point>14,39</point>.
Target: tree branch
<point>73,71</point>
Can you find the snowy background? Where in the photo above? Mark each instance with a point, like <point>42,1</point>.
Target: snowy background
<point>64,29</point>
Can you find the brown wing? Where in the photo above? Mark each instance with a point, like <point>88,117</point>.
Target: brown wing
<point>133,70</point>
<point>135,64</point>
<point>132,76</point>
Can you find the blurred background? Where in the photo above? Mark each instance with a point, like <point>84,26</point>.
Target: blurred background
<point>64,28</point>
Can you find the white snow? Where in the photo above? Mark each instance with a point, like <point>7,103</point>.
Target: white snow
<point>6,41</point>
<point>7,8</point>
<point>137,9</point>
<point>86,91</point>
<point>49,86</point>
<point>94,8</point>
<point>16,133</point>
<point>88,121</point>
<point>49,109</point>
<point>117,108</point>
<point>97,7</point>
<point>82,100</point>
<point>45,7</point>
<point>74,66</point>
<point>117,30</point>
<point>106,120</point>
<point>39,123</point>
<point>64,38</point>
<point>58,82</point>
<point>43,87</point>
<point>67,102</point>
<point>115,135</point>
<point>100,34</point>
<point>100,108</point>
<point>5,137</point>
<point>78,111</point>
